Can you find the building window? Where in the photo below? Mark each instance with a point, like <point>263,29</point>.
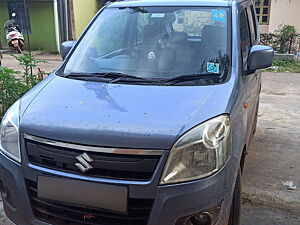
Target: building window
<point>263,11</point>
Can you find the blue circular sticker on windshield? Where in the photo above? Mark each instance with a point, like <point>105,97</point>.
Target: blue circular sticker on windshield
<point>213,67</point>
<point>218,15</point>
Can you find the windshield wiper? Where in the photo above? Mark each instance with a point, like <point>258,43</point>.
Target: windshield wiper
<point>116,77</point>
<point>191,77</point>
<point>102,75</point>
<point>113,77</point>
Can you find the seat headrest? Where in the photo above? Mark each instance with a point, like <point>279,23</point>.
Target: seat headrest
<point>178,37</point>
<point>151,33</point>
<point>152,30</point>
<point>213,34</point>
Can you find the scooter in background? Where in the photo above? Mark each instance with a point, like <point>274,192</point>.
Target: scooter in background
<point>14,36</point>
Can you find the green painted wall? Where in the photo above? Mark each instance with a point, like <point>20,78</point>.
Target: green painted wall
<point>3,18</point>
<point>84,11</point>
<point>42,25</point>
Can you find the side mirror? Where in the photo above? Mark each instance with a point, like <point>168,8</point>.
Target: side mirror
<point>66,48</point>
<point>260,57</point>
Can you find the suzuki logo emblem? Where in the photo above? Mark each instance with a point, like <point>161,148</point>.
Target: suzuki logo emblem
<point>84,160</point>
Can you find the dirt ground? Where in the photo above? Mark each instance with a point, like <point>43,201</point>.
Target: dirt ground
<point>263,215</point>
<point>52,61</point>
<point>274,153</point>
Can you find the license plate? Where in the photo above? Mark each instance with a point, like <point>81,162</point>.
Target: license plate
<point>103,196</point>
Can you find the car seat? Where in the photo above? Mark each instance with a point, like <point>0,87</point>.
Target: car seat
<point>211,48</point>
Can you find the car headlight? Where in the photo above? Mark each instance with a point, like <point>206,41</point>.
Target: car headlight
<point>199,153</point>
<point>9,133</point>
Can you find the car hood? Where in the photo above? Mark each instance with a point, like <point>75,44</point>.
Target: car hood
<point>120,115</point>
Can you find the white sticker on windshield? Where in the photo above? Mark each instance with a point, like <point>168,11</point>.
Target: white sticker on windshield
<point>158,15</point>
<point>213,67</point>
<point>151,56</point>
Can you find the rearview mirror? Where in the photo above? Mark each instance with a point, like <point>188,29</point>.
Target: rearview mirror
<point>66,48</point>
<point>260,57</point>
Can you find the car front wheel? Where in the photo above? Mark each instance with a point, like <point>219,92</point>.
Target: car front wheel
<point>235,213</point>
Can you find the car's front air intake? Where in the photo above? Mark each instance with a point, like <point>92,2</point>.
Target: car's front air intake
<point>132,167</point>
<point>58,213</point>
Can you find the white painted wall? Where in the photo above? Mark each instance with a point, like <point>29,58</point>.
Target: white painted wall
<point>285,12</point>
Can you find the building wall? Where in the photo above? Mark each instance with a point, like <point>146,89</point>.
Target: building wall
<point>84,11</point>
<point>42,26</point>
<point>3,18</point>
<point>264,29</point>
<point>284,12</point>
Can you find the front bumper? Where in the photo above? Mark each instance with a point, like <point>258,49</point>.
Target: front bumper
<point>170,202</point>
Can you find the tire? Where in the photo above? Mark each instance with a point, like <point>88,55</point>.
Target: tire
<point>11,48</point>
<point>19,49</point>
<point>22,45</point>
<point>235,213</point>
<point>256,118</point>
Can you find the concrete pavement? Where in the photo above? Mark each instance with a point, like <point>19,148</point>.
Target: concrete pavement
<point>3,219</point>
<point>53,61</point>
<point>262,215</point>
<point>274,153</point>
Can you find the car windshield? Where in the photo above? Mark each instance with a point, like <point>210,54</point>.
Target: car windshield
<point>157,43</point>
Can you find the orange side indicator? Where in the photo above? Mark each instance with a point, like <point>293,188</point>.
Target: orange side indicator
<point>246,105</point>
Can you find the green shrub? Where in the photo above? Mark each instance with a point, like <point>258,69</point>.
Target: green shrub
<point>28,62</point>
<point>286,36</point>
<point>282,40</point>
<point>14,84</point>
<point>11,88</point>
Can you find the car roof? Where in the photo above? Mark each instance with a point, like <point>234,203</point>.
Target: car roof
<point>129,3</point>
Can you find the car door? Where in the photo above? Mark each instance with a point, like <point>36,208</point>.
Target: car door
<point>253,24</point>
<point>250,81</point>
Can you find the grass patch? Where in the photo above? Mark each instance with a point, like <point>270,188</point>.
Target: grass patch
<point>284,66</point>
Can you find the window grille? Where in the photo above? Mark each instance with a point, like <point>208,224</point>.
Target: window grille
<point>263,11</point>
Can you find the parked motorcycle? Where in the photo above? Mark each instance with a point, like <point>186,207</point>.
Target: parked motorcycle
<point>14,36</point>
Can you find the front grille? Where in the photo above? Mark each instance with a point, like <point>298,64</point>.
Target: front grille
<point>58,213</point>
<point>105,165</point>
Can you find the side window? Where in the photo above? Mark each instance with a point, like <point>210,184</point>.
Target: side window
<point>253,24</point>
<point>245,37</point>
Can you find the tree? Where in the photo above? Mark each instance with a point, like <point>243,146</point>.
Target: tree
<point>285,37</point>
